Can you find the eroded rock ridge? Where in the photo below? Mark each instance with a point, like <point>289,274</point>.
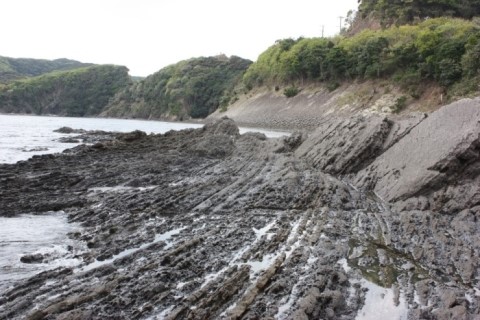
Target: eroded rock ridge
<point>210,224</point>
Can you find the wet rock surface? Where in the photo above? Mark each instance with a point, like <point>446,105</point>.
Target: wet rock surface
<point>206,223</point>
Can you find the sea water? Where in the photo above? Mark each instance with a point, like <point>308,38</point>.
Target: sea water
<point>27,234</point>
<point>23,136</point>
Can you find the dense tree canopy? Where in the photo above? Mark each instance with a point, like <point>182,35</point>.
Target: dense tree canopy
<point>444,50</point>
<point>191,88</point>
<point>78,92</point>
<point>404,11</point>
<point>18,68</point>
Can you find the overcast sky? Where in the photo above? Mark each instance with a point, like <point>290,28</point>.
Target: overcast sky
<point>146,35</point>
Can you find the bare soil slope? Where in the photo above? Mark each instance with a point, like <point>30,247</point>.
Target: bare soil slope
<point>269,108</point>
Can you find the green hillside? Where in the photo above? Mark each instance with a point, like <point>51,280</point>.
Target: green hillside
<point>443,51</point>
<point>79,92</point>
<point>18,68</point>
<point>191,88</point>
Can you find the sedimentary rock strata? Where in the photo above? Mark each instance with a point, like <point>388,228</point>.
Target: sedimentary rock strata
<point>206,223</point>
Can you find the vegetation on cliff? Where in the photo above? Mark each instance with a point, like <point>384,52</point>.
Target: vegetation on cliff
<point>442,50</point>
<point>401,12</point>
<point>18,68</point>
<point>191,88</point>
<point>79,92</point>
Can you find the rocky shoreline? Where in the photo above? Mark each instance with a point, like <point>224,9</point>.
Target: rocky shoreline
<point>206,223</point>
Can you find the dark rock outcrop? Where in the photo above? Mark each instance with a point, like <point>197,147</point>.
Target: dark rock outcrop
<point>68,130</point>
<point>32,258</point>
<point>341,146</point>
<point>437,162</point>
<point>206,223</point>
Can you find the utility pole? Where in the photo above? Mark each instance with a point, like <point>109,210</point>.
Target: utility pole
<point>323,28</point>
<point>340,23</point>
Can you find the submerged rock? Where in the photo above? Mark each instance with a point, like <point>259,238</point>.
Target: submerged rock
<point>206,223</point>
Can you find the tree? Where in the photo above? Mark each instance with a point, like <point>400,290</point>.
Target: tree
<point>400,12</point>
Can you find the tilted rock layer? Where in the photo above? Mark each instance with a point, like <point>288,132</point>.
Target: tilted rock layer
<point>207,223</point>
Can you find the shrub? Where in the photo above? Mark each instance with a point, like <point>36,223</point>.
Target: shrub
<point>332,86</point>
<point>400,104</point>
<point>291,91</point>
<point>441,50</point>
<point>234,99</point>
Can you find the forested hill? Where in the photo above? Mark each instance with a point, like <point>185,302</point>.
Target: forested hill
<point>18,68</point>
<point>443,52</point>
<point>191,88</point>
<point>78,92</point>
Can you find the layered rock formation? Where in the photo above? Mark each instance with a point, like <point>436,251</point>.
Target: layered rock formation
<point>206,223</point>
